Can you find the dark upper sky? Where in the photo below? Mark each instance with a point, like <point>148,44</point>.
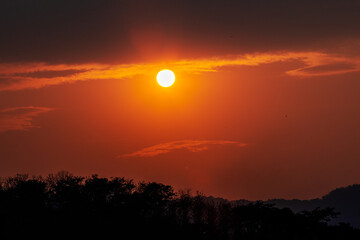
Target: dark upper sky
<point>131,31</point>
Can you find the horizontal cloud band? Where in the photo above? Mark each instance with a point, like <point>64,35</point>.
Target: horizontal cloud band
<point>190,145</point>
<point>37,75</point>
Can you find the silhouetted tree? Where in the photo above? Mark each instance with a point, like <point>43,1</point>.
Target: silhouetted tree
<point>62,203</point>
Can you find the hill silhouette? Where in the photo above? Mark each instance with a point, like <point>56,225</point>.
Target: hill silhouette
<point>345,200</point>
<point>66,206</point>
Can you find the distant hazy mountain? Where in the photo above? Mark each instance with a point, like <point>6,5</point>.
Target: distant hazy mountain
<point>344,200</point>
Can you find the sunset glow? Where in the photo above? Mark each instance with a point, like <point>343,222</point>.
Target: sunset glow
<point>235,99</point>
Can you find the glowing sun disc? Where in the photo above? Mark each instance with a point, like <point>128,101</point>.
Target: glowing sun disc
<point>165,78</point>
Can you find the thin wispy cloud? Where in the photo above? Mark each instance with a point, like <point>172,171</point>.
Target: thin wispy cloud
<point>324,65</point>
<point>190,145</point>
<point>37,75</point>
<point>20,118</point>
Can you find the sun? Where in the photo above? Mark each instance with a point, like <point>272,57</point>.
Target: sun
<point>165,78</point>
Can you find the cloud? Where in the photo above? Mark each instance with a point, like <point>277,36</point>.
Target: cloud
<point>323,65</point>
<point>50,74</point>
<point>190,145</point>
<point>37,75</point>
<point>19,118</point>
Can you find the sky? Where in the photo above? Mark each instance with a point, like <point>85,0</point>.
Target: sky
<point>265,103</point>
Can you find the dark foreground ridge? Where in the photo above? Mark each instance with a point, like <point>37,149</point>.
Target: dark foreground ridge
<point>63,205</point>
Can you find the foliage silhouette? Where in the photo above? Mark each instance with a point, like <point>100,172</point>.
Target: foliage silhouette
<point>66,205</point>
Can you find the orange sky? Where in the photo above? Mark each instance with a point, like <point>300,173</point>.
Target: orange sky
<point>265,103</point>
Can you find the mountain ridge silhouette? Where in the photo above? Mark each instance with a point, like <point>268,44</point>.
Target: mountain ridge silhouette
<point>344,200</point>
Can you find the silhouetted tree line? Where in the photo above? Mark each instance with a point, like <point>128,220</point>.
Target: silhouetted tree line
<point>64,205</point>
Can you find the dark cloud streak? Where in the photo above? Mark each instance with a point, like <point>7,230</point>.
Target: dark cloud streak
<point>19,118</point>
<point>50,74</point>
